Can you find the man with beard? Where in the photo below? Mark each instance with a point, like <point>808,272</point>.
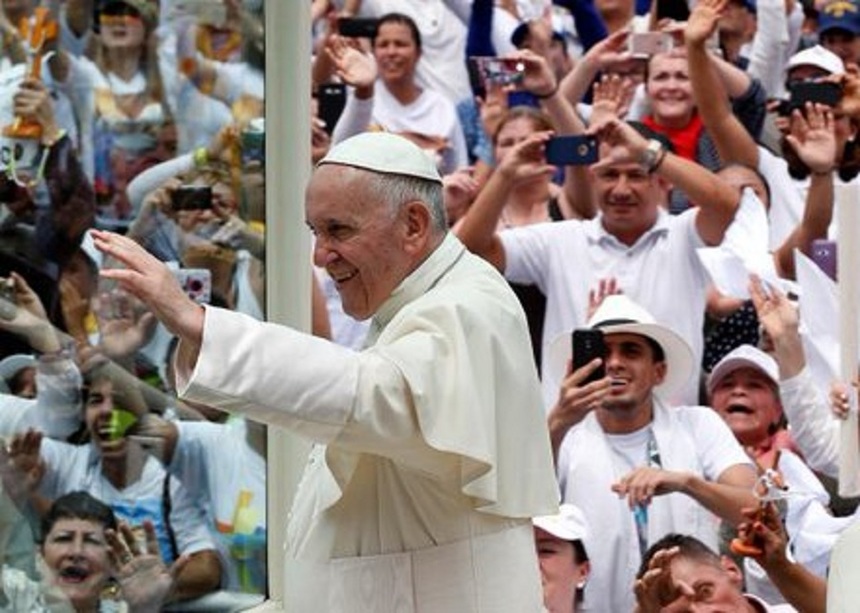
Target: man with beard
<point>637,468</point>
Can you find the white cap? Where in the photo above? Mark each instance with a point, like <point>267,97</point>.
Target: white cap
<point>385,153</point>
<point>819,57</point>
<point>11,366</point>
<point>568,524</point>
<point>745,356</point>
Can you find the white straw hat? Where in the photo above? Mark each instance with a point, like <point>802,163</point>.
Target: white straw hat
<point>618,314</point>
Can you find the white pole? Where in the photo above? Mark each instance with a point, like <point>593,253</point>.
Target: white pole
<point>848,266</point>
<point>288,269</point>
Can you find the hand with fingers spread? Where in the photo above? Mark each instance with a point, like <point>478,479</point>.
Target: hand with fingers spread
<point>812,134</point>
<point>144,579</point>
<point>149,279</point>
<point>125,327</point>
<point>353,65</point>
<point>703,20</point>
<point>776,313</point>
<point>642,484</point>
<point>605,287</point>
<point>23,467</point>
<point>612,97</point>
<point>656,588</point>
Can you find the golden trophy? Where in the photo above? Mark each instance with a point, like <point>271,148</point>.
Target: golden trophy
<point>35,32</point>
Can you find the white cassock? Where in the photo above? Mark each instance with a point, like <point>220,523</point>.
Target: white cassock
<point>433,447</point>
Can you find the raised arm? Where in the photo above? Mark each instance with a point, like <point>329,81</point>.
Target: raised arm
<point>716,200</point>
<point>478,227</point>
<point>575,201</point>
<point>813,138</point>
<point>734,143</point>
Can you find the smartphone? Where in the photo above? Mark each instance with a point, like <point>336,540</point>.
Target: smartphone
<point>571,150</point>
<point>823,92</point>
<point>331,100</point>
<point>677,10</point>
<point>647,44</point>
<point>497,70</point>
<point>824,254</point>
<point>192,198</point>
<point>357,27</point>
<point>196,282</point>
<point>522,98</point>
<point>587,345</point>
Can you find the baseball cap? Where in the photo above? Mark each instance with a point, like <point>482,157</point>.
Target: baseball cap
<point>11,366</point>
<point>839,15</point>
<point>146,9</point>
<point>745,356</point>
<point>568,524</point>
<point>819,57</point>
<point>385,153</point>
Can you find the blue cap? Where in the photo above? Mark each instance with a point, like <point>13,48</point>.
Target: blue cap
<point>839,15</point>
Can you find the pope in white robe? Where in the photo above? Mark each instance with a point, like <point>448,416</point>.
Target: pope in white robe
<point>432,448</point>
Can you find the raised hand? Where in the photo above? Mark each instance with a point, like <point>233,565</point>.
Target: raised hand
<point>813,136</point>
<point>626,144</point>
<point>611,98</point>
<point>22,313</point>
<point>144,579</point>
<point>353,65</point>
<point>526,160</point>
<point>538,77</point>
<point>125,327</point>
<point>151,281</point>
<point>657,588</point>
<point>703,19</point>
<point>777,315</point>
<point>611,50</point>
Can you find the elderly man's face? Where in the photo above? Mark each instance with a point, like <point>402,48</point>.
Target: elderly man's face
<point>359,241</point>
<point>716,588</point>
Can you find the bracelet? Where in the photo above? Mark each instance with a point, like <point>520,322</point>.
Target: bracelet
<point>200,157</point>
<point>659,161</point>
<point>552,93</point>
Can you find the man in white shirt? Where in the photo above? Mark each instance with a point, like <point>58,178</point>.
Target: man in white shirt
<point>433,453</point>
<point>637,468</point>
<point>650,255</point>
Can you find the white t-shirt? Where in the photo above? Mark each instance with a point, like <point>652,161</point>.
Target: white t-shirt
<point>660,271</point>
<point>690,439</point>
<point>443,43</point>
<point>431,114</point>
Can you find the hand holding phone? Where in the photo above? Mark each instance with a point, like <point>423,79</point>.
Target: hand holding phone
<point>571,150</point>
<point>588,344</point>
<point>191,198</point>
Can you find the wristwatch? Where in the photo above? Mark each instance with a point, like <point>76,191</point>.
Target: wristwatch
<point>653,154</point>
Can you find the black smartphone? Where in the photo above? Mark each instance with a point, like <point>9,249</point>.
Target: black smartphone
<point>677,10</point>
<point>331,99</point>
<point>571,150</point>
<point>587,345</point>
<point>823,92</point>
<point>192,198</point>
<point>824,254</point>
<point>357,27</point>
<point>497,70</point>
<point>522,98</point>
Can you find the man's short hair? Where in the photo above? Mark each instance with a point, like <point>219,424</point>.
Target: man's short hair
<point>78,505</point>
<point>396,190</point>
<point>689,547</point>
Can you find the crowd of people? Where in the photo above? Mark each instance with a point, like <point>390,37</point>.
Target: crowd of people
<point>490,175</point>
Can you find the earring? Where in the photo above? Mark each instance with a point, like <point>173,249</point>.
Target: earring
<point>581,584</point>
